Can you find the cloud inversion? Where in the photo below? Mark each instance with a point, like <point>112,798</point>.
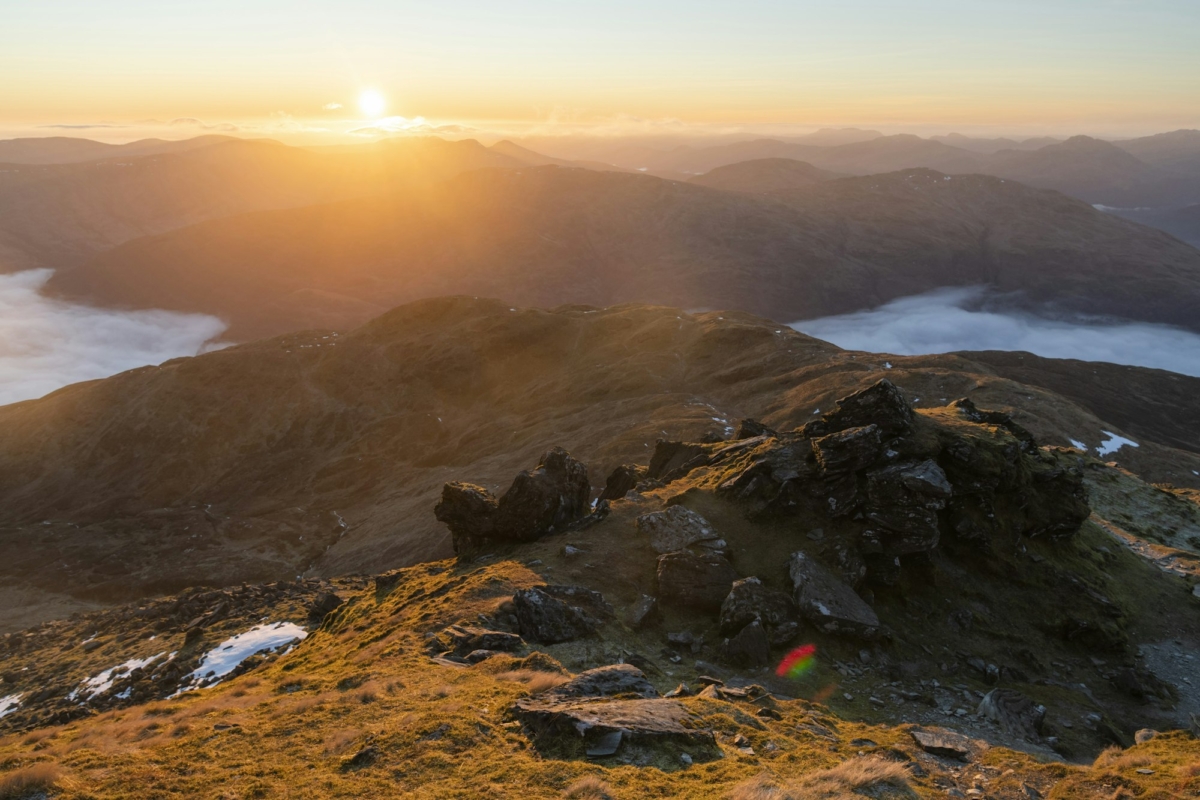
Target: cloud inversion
<point>945,320</point>
<point>46,344</point>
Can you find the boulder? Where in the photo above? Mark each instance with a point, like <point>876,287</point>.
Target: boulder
<point>827,602</point>
<point>749,600</point>
<point>673,460</point>
<point>903,501</point>
<point>552,614</point>
<point>622,480</point>
<point>701,582</point>
<point>323,604</point>
<point>1014,712</point>
<point>751,428</point>
<point>749,648</point>
<point>460,640</point>
<point>676,529</point>
<point>880,404</point>
<point>608,681</point>
<point>939,742</point>
<point>550,497</point>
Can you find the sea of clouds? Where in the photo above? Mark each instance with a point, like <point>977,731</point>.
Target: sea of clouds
<point>946,320</point>
<point>46,344</point>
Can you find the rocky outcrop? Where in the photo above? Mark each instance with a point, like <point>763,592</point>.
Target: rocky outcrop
<point>678,528</point>
<point>551,614</point>
<point>880,404</point>
<point>830,605</point>
<point>694,581</point>
<point>548,498</point>
<point>458,641</point>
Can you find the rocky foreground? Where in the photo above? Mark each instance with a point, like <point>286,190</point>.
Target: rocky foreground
<point>975,615</point>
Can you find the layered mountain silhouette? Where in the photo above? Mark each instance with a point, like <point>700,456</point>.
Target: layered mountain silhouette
<point>547,235</point>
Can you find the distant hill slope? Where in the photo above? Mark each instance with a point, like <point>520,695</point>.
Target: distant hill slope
<point>763,176</point>
<point>545,236</point>
<point>308,451</point>
<point>60,214</point>
<point>72,150</point>
<point>1177,151</point>
<point>1182,223</point>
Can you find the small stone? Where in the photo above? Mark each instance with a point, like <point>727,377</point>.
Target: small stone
<point>1144,735</point>
<point>1144,771</point>
<point>848,696</point>
<point>685,759</point>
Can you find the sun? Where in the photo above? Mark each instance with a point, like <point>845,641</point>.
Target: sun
<point>372,102</point>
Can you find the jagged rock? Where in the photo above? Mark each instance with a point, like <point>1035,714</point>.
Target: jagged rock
<point>750,428</point>
<point>944,743</point>
<point>999,418</point>
<point>849,450</point>
<point>1014,712</point>
<point>749,600</point>
<point>324,604</point>
<point>608,681</point>
<point>673,460</point>
<point>696,581</point>
<point>641,612</point>
<point>552,614</point>
<point>547,498</point>
<point>749,648</point>
<point>676,529</point>
<point>880,404</point>
<point>460,640</point>
<point>622,480</point>
<point>828,603</point>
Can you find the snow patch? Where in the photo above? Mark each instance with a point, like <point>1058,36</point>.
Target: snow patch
<point>99,684</point>
<point>1078,445</point>
<point>225,657</point>
<point>9,704</point>
<point>1113,443</point>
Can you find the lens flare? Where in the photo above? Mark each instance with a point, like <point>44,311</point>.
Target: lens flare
<point>798,662</point>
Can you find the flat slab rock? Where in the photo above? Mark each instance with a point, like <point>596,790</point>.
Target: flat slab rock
<point>582,717</point>
<point>947,744</point>
<point>678,528</point>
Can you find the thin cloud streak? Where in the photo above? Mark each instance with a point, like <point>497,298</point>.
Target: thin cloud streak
<point>46,344</point>
<point>948,320</point>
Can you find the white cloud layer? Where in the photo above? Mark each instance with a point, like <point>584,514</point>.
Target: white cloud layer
<point>947,320</point>
<point>46,344</point>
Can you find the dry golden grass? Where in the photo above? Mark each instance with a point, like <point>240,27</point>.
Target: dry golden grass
<point>589,787</point>
<point>849,780</point>
<point>536,682</point>
<point>1116,758</point>
<point>24,782</point>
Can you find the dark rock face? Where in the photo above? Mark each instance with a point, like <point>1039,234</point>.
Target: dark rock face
<point>847,451</point>
<point>324,604</point>
<point>672,459</point>
<point>540,501</point>
<point>902,507</point>
<point>880,404</point>
<point>1014,712</point>
<point>749,648</point>
<point>678,528</point>
<point>750,428</point>
<point>552,614</point>
<point>749,600</point>
<point>695,581</point>
<point>642,613</point>
<point>622,480</point>
<point>829,604</point>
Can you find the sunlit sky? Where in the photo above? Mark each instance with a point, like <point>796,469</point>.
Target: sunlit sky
<point>284,67</point>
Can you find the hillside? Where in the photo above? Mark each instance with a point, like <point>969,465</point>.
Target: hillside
<point>323,453</point>
<point>545,236</point>
<point>72,150</point>
<point>763,176</point>
<point>967,622</point>
<point>59,215</point>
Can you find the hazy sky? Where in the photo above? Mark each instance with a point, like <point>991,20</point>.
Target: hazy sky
<point>1080,65</point>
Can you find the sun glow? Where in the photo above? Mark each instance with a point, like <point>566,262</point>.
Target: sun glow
<point>372,103</point>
